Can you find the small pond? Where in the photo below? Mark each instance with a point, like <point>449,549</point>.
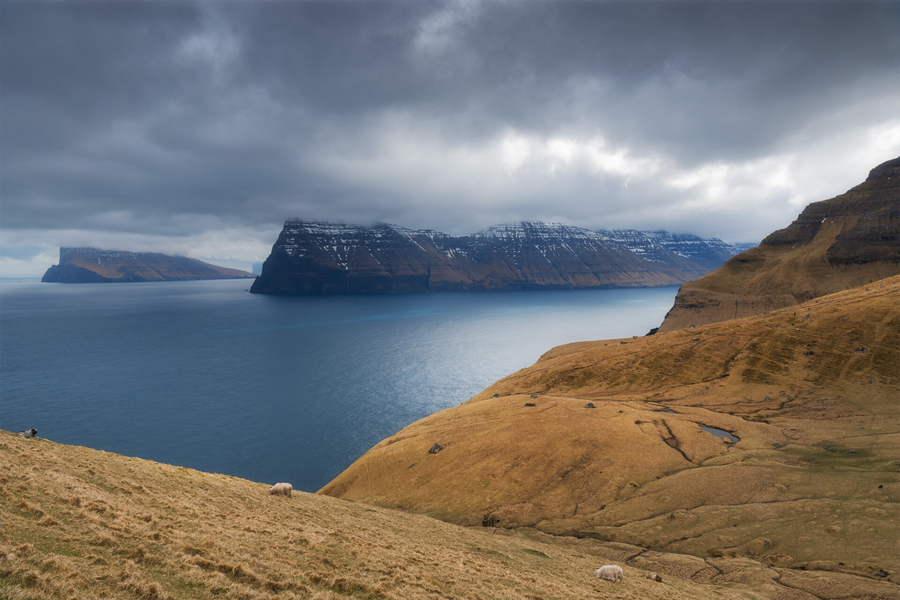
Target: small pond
<point>720,433</point>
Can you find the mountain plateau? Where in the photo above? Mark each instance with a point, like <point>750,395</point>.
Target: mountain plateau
<point>90,265</point>
<point>335,258</point>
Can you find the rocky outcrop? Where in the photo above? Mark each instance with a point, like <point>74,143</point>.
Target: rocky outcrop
<point>90,265</point>
<point>335,258</point>
<point>838,244</point>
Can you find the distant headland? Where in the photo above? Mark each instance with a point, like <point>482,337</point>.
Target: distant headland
<point>90,265</point>
<point>312,258</point>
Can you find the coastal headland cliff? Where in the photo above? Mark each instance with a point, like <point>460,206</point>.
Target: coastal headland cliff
<point>336,258</point>
<point>612,440</point>
<point>834,245</point>
<point>770,437</point>
<point>90,265</point>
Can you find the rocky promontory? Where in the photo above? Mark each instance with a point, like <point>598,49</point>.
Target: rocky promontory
<point>336,258</point>
<point>90,265</point>
<point>769,438</point>
<point>837,244</point>
<point>616,440</point>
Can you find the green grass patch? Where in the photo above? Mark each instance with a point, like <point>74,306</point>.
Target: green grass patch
<point>178,583</point>
<point>64,551</point>
<point>437,514</point>
<point>490,552</point>
<point>535,552</point>
<point>838,458</point>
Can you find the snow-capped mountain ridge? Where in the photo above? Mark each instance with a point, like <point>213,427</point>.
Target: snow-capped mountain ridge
<point>324,257</point>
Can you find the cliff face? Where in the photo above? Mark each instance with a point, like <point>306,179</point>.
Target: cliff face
<point>710,253</point>
<point>89,265</point>
<point>850,240</point>
<point>334,258</point>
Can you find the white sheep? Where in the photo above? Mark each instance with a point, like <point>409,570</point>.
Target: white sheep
<point>281,489</point>
<point>28,434</point>
<point>610,573</point>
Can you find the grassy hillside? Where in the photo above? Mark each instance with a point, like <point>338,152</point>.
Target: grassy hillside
<point>80,523</point>
<point>811,391</point>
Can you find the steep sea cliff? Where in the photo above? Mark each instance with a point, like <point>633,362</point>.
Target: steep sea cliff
<point>90,265</point>
<point>336,258</point>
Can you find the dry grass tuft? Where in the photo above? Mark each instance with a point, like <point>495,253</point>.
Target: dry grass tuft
<point>142,589</point>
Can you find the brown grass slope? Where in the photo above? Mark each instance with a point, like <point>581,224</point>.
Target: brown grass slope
<point>812,391</point>
<point>838,244</point>
<point>79,523</point>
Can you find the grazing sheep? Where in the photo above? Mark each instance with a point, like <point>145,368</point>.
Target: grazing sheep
<point>281,489</point>
<point>610,573</point>
<point>28,434</point>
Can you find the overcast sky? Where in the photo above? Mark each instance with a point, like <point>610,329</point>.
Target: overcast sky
<point>198,128</point>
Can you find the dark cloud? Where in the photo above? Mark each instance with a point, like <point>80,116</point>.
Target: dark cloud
<point>181,119</point>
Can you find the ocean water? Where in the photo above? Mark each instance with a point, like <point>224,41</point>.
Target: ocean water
<point>207,376</point>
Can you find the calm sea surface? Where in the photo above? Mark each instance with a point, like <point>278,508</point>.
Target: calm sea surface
<point>208,376</point>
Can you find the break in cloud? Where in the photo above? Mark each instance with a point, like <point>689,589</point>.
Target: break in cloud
<point>199,127</point>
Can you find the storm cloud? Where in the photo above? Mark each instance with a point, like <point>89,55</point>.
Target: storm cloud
<point>198,128</point>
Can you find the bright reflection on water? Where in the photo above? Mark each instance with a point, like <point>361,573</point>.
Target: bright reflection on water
<point>208,376</point>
